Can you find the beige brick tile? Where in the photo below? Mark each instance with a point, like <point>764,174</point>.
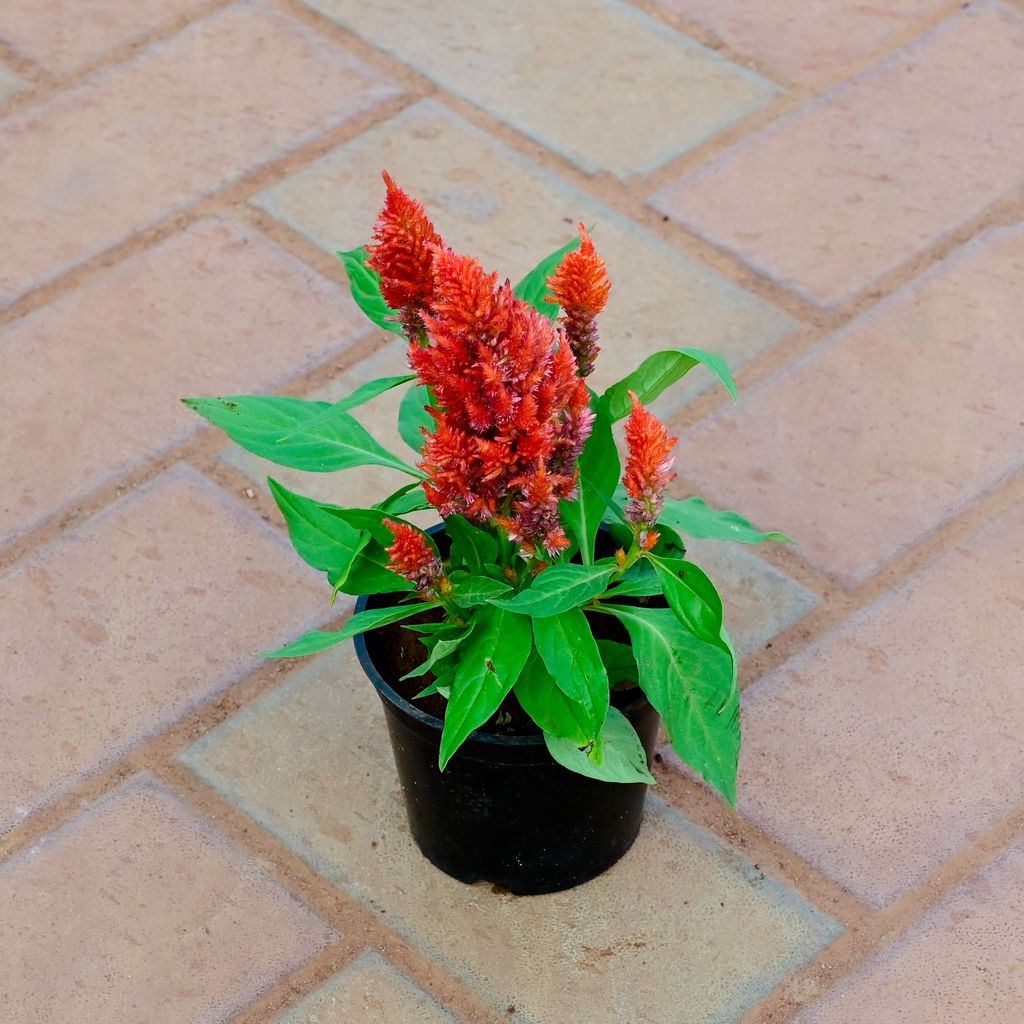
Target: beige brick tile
<point>963,964</point>
<point>679,922</point>
<point>562,73</point>
<point>810,41</point>
<point>139,911</point>
<point>10,83</point>
<point>215,310</point>
<point>141,140</point>
<point>65,35</point>
<point>510,213</point>
<point>831,197</point>
<point>368,991</point>
<point>113,632</point>
<point>878,752</point>
<point>889,428</point>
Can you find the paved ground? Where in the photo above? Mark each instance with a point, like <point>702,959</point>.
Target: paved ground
<point>829,193</point>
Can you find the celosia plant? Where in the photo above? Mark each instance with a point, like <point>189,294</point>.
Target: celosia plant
<point>517,455</point>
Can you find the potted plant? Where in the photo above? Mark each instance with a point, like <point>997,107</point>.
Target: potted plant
<point>525,647</point>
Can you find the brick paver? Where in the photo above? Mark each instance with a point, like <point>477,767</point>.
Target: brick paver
<point>881,750</point>
<point>10,83</point>
<point>368,991</point>
<point>680,922</point>
<point>528,69</point>
<point>66,35</point>
<point>142,139</point>
<point>811,41</point>
<point>962,963</point>
<point>509,213</point>
<point>115,631</point>
<point>890,427</point>
<point>834,195</point>
<point>857,167</point>
<point>137,911</point>
<point>254,317</point>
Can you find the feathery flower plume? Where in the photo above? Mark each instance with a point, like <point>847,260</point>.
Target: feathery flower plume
<point>412,556</point>
<point>580,286</point>
<point>402,253</point>
<point>648,470</point>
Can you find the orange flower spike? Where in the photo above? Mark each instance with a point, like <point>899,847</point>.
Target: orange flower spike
<point>580,286</point>
<point>412,557</point>
<point>648,470</point>
<point>402,253</point>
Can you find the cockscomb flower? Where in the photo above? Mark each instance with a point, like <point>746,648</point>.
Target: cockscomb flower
<point>648,470</point>
<point>580,286</point>
<point>511,412</point>
<point>412,557</point>
<point>402,253</point>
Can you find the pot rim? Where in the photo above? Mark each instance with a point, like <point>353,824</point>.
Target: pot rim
<point>390,694</point>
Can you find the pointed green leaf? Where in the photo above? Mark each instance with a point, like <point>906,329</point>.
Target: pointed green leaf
<point>440,649</point>
<point>364,282</point>
<point>619,662</point>
<point>321,539</point>
<point>694,516</point>
<point>559,588</point>
<point>363,394</point>
<point>313,436</point>
<point>477,590</point>
<point>660,371</point>
<point>549,707</point>
<point>409,498</point>
<point>623,756</point>
<point>317,640</point>
<point>692,596</point>
<point>692,685</point>
<point>640,580</point>
<point>413,418</point>
<point>488,666</point>
<point>569,651</point>
<point>599,472</point>
<point>472,546</point>
<point>533,288</point>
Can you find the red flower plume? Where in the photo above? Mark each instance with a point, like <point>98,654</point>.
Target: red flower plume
<point>412,556</point>
<point>402,253</point>
<point>648,469</point>
<point>580,286</point>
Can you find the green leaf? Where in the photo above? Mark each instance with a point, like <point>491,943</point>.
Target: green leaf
<point>477,590</point>
<point>640,581</point>
<point>313,436</point>
<point>409,498</point>
<point>472,546</point>
<point>692,596</point>
<point>533,288</point>
<point>660,371</point>
<point>364,282</point>
<point>570,654</point>
<point>413,418</point>
<point>559,588</point>
<point>623,756</point>
<point>363,394</point>
<point>692,685</point>
<point>549,707</point>
<point>439,649</point>
<point>599,472</point>
<point>619,662</point>
<point>488,667</point>
<point>694,516</point>
<point>317,640</point>
<point>321,539</point>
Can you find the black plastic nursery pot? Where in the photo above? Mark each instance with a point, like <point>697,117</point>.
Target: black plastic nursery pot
<point>504,810</point>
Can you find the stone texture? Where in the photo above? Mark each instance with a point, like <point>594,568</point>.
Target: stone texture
<point>760,600</point>
<point>963,964</point>
<point>812,41</point>
<point>113,632</point>
<point>508,212</point>
<point>890,427</point>
<point>844,189</point>
<point>538,70</point>
<point>365,485</point>
<point>66,35</point>
<point>681,921</point>
<point>99,372</point>
<point>368,991</point>
<point>10,83</point>
<point>879,751</point>
<point>145,138</point>
<point>138,911</point>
